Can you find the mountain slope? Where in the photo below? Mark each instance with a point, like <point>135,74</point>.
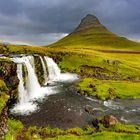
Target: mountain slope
<point>92,34</point>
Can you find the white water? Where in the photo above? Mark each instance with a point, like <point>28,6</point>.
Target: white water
<point>23,97</point>
<point>55,72</point>
<point>53,69</point>
<point>44,70</point>
<point>112,105</point>
<point>31,90</point>
<point>24,106</point>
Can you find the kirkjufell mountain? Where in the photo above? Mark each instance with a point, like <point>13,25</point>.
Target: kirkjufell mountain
<point>91,33</point>
<point>90,22</point>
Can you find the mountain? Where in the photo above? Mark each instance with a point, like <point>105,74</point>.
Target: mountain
<point>92,34</point>
<point>89,22</point>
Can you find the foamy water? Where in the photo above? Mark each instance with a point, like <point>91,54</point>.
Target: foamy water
<point>29,89</point>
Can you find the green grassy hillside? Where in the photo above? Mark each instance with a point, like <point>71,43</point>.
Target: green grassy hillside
<point>92,34</point>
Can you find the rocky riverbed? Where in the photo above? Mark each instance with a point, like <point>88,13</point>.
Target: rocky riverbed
<point>67,109</point>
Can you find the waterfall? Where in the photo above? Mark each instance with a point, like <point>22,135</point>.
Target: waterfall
<point>55,72</point>
<point>53,69</point>
<point>22,96</point>
<point>32,84</point>
<point>29,89</point>
<point>44,69</point>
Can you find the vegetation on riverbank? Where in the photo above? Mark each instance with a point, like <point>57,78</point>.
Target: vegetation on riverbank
<point>108,89</point>
<point>118,131</point>
<point>3,95</point>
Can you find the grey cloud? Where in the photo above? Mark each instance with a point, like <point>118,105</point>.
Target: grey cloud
<point>29,20</point>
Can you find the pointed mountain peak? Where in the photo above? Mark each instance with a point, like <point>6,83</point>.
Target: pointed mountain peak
<point>89,22</point>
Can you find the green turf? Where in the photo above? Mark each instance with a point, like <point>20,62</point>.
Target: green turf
<point>96,39</point>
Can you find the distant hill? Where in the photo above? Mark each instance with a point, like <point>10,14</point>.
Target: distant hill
<point>92,34</point>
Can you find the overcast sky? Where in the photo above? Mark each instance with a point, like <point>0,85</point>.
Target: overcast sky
<point>40,22</point>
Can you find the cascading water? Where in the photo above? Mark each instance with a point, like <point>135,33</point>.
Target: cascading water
<point>31,90</point>
<point>23,97</point>
<point>32,85</point>
<point>44,69</point>
<point>55,72</point>
<point>53,69</point>
<point>24,106</point>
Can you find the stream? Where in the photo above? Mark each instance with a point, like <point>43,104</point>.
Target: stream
<point>66,109</point>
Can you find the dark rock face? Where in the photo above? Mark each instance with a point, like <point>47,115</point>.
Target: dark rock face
<point>88,22</point>
<point>3,122</point>
<point>8,74</point>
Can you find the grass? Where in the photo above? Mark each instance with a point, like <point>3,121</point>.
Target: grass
<point>99,136</point>
<point>16,49</point>
<point>117,132</point>
<point>108,89</point>
<point>85,62</point>
<point>95,39</point>
<point>14,127</point>
<point>3,95</point>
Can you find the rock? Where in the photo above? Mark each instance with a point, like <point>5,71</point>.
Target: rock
<point>89,109</point>
<point>13,80</point>
<point>110,62</point>
<point>95,123</point>
<point>91,85</point>
<point>109,120</point>
<point>3,122</point>
<point>112,93</point>
<point>113,62</point>
<point>89,22</point>
<point>116,62</point>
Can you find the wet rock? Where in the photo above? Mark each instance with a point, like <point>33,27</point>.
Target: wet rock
<point>109,120</point>
<point>3,123</point>
<point>8,73</point>
<point>89,109</point>
<point>95,123</point>
<point>13,80</point>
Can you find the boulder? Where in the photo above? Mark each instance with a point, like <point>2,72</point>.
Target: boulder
<point>89,109</point>
<point>109,120</point>
<point>95,123</point>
